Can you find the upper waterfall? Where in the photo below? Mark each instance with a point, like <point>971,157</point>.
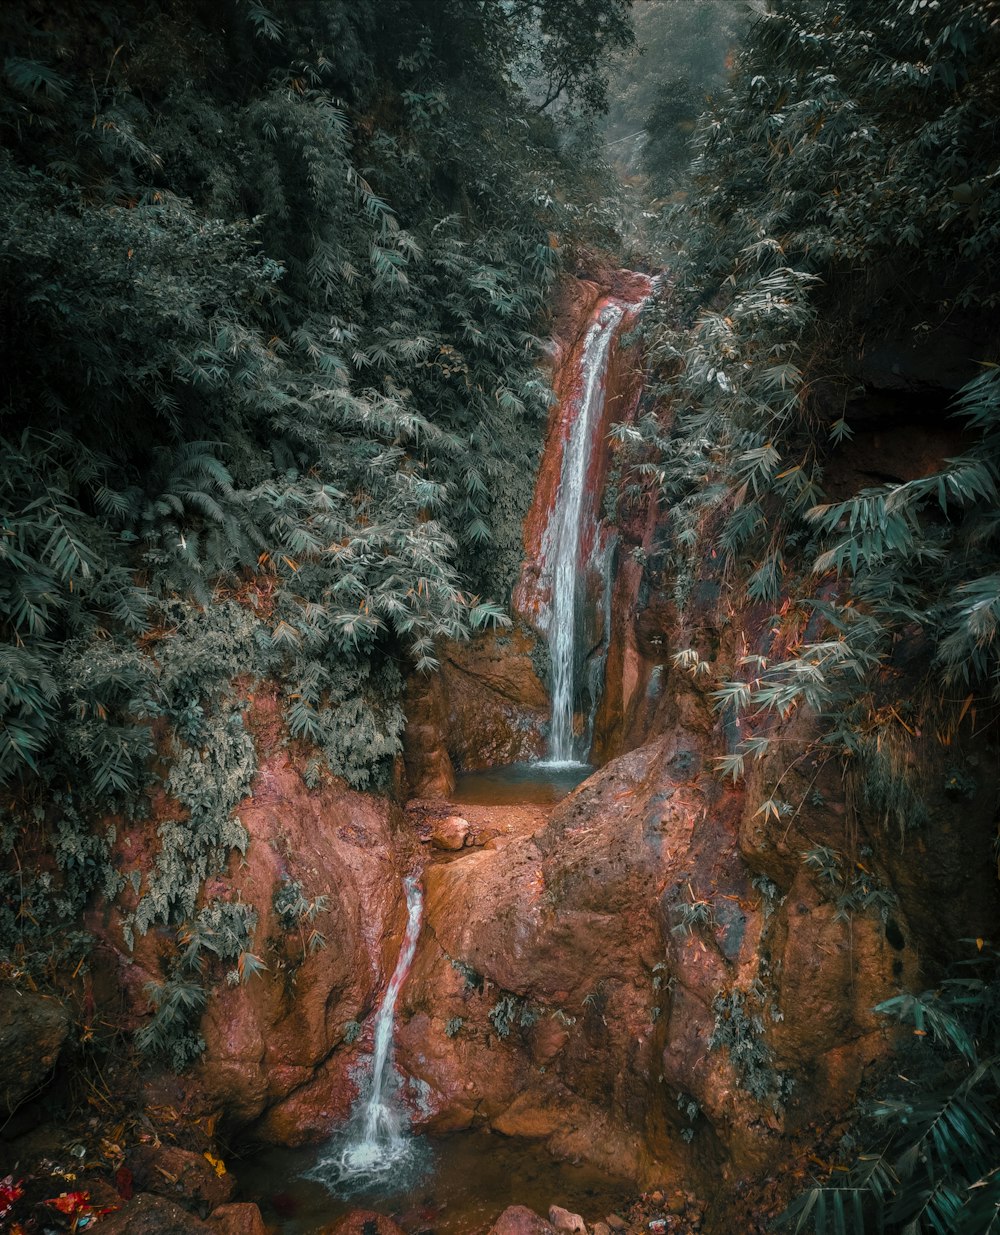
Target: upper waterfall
<point>565,532</point>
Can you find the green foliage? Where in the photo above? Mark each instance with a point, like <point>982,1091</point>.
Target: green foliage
<point>503,1014</point>
<point>935,1168</point>
<point>472,978</point>
<point>223,929</point>
<point>273,275</point>
<point>453,1025</point>
<point>690,1109</point>
<point>509,1011</point>
<point>660,86</point>
<point>692,915</point>
<point>855,890</point>
<point>842,178</point>
<point>740,1030</point>
<point>296,912</point>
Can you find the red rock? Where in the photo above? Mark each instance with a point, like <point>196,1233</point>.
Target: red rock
<point>237,1219</point>
<point>180,1174</point>
<point>429,769</point>
<point>153,1215</point>
<point>32,1031</point>
<point>486,706</point>
<point>623,386</point>
<point>275,1051</point>
<point>362,1222</point>
<point>450,833</point>
<point>567,1223</point>
<point>519,1220</point>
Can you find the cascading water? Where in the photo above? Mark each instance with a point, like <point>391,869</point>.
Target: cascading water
<point>563,551</point>
<point>375,1141</point>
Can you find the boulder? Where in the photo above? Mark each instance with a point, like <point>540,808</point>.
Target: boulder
<point>565,1222</point>
<point>181,1175</point>
<point>153,1215</point>
<point>363,1222</point>
<point>239,1219</point>
<point>450,833</point>
<point>33,1029</point>
<point>519,1220</point>
<point>587,1001</point>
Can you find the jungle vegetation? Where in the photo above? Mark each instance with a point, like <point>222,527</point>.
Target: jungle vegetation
<point>842,213</point>
<point>273,280</point>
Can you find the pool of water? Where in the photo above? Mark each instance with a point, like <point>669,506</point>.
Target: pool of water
<point>542,783</point>
<point>460,1185</point>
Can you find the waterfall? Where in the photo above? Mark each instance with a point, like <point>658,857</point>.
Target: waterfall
<point>565,532</point>
<point>375,1142</point>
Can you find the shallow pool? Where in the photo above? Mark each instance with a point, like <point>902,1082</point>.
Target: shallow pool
<point>542,783</point>
<point>460,1185</point>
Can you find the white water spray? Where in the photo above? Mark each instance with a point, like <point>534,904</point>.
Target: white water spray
<point>565,532</point>
<point>376,1139</point>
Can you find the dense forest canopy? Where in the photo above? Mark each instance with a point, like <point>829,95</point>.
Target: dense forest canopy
<point>661,85</point>
<point>273,280</point>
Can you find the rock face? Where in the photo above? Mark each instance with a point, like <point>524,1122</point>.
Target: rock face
<point>33,1029</point>
<point>270,1044</point>
<point>280,1046</point>
<point>622,383</point>
<point>648,963</point>
<point>486,706</point>
<point>489,705</point>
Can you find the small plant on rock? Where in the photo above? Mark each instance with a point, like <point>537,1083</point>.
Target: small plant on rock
<point>296,911</point>
<point>691,915</point>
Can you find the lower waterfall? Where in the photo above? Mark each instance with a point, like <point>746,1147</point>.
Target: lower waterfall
<point>376,1140</point>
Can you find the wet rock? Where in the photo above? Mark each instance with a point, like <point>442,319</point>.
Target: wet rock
<point>485,706</point>
<point>362,1222</point>
<point>562,1220</point>
<point>154,1215</point>
<point>496,703</point>
<point>278,1051</point>
<point>238,1219</point>
<point>181,1175</point>
<point>450,833</point>
<point>519,1220</point>
<point>270,1041</point>
<point>429,769</point>
<point>33,1029</point>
